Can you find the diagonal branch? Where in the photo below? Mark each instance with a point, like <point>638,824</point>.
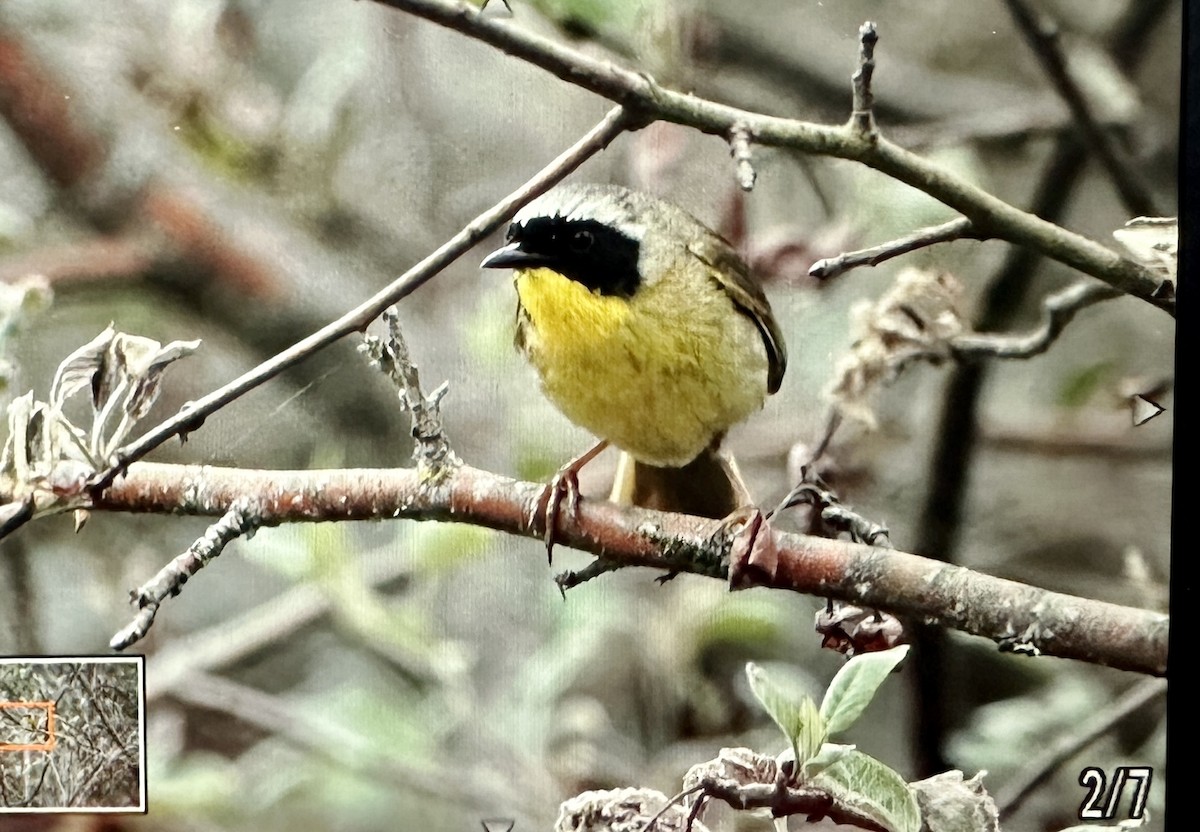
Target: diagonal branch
<point>1043,37</point>
<point>239,520</point>
<point>957,229</point>
<point>993,217</point>
<point>1020,617</point>
<point>612,125</point>
<point>1067,746</point>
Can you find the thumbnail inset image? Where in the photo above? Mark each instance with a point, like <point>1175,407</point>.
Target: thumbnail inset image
<point>71,734</point>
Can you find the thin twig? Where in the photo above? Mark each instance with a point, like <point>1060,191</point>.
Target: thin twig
<point>612,125</point>
<point>694,815</point>
<point>1043,37</point>
<point>1070,744</point>
<point>573,578</point>
<point>739,149</point>
<point>835,516</point>
<point>992,216</point>
<point>956,229</point>
<point>1057,311</point>
<point>1005,611</point>
<point>672,802</point>
<point>785,800</point>
<point>432,451</point>
<point>239,520</point>
<point>862,119</point>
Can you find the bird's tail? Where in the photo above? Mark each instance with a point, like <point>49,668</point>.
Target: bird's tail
<point>708,486</point>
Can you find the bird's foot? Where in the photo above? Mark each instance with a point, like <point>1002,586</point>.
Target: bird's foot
<point>563,487</point>
<point>753,557</point>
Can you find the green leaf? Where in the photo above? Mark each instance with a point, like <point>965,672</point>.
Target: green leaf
<point>812,732</point>
<point>854,686</point>
<point>830,753</point>
<point>792,709</point>
<point>866,786</point>
<point>1079,387</point>
<point>612,17</point>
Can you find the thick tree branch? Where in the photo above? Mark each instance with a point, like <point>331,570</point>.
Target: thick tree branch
<point>991,216</point>
<point>1017,616</point>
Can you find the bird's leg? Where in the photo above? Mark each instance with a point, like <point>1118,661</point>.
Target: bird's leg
<point>564,485</point>
<point>740,490</point>
<point>751,538</point>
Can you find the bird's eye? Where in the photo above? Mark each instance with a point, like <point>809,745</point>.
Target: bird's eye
<point>581,241</point>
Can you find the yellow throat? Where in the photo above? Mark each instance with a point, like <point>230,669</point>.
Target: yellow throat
<point>660,374</point>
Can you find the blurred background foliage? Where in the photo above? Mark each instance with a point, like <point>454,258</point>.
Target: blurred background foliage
<point>241,171</point>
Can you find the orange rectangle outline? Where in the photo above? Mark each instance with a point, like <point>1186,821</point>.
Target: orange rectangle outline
<point>51,737</point>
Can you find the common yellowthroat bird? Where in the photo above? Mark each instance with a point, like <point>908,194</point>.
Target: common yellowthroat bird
<point>647,330</point>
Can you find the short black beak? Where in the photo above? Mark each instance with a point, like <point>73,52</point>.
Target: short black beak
<point>512,256</point>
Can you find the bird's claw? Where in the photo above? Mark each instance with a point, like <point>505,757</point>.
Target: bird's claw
<point>564,486</point>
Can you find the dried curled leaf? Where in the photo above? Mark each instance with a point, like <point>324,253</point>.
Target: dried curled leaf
<point>735,767</point>
<point>79,370</point>
<point>916,319</point>
<point>853,630</point>
<point>44,456</point>
<point>123,371</point>
<point>950,803</point>
<point>1153,242</point>
<point>731,768</point>
<point>47,459</point>
<point>621,810</point>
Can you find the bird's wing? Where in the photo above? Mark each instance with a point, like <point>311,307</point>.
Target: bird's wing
<point>733,275</point>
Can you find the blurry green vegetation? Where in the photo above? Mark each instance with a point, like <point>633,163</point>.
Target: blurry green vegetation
<point>1079,387</point>
<point>224,151</point>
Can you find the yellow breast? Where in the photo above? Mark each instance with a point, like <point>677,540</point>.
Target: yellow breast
<point>659,375</point>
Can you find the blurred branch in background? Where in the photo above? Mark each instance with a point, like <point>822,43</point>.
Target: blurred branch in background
<point>955,448</point>
<point>159,218</point>
<point>1043,36</point>
<point>1067,746</point>
<point>335,744</point>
